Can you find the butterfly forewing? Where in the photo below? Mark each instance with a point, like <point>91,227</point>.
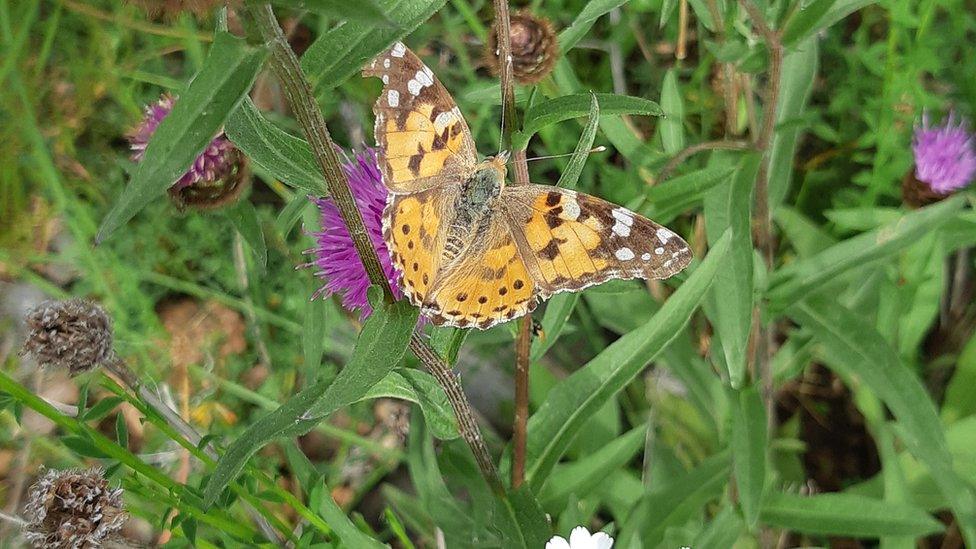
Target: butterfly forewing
<point>572,240</point>
<point>423,139</point>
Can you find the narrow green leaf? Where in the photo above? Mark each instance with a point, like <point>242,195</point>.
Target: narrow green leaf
<point>558,421</point>
<point>343,50</point>
<point>667,8</point>
<point>121,431</point>
<point>960,398</point>
<point>846,515</point>
<point>361,10</point>
<point>855,349</point>
<point>214,92</point>
<point>722,531</point>
<point>593,10</point>
<point>83,446</point>
<point>731,297</point>
<point>102,408</point>
<point>800,67</point>
<point>688,186</point>
<point>796,280</point>
<point>289,158</point>
<point>575,106</point>
<point>313,333</point>
<point>675,502</point>
<point>819,15</point>
<point>574,168</point>
<point>558,310</point>
<point>749,442</point>
<point>580,477</point>
<point>422,389</point>
<point>671,124</point>
<point>801,24</point>
<point>337,518</point>
<point>807,237</point>
<point>245,219</point>
<point>381,345</point>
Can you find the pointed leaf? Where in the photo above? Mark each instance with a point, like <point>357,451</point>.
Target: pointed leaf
<point>847,515</point>
<point>574,168</point>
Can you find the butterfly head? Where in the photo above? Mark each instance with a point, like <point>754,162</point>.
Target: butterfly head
<point>498,162</point>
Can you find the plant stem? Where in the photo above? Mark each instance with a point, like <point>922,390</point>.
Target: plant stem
<point>523,343</point>
<point>690,150</point>
<point>467,425</point>
<point>764,334</point>
<point>299,93</point>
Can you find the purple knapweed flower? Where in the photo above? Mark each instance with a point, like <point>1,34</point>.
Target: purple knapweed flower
<point>216,163</point>
<point>334,255</point>
<point>944,155</point>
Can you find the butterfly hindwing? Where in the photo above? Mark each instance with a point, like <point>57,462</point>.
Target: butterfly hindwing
<point>422,137</point>
<point>412,228</point>
<point>573,240</point>
<point>488,284</point>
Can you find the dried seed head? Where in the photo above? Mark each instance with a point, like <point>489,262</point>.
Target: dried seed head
<point>75,335</point>
<point>535,48</point>
<point>171,9</point>
<point>72,509</point>
<point>918,194</point>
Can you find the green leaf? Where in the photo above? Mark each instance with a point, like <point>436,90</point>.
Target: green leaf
<point>558,421</point>
<point>102,408</point>
<point>855,349</point>
<point>749,442</point>
<point>574,168</point>
<point>381,345</point>
<point>558,310</point>
<point>819,15</point>
<point>593,10</point>
<point>960,398</point>
<point>847,515</point>
<point>121,431</point>
<point>671,125</point>
<point>801,24</point>
<point>224,80</point>
<point>289,158</point>
<point>83,446</point>
<point>731,297</point>
<point>799,70</point>
<point>422,389</point>
<point>722,531</point>
<point>343,50</point>
<point>361,10</point>
<point>675,502</point>
<point>667,8</point>
<point>245,219</point>
<point>807,237</point>
<point>337,519</point>
<point>577,105</point>
<point>313,333</point>
<point>794,281</point>
<point>580,477</point>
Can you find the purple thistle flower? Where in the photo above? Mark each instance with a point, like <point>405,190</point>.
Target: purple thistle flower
<point>334,255</point>
<point>944,155</point>
<point>217,162</point>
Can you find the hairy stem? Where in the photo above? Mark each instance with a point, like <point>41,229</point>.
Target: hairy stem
<point>300,98</point>
<point>523,343</point>
<point>763,220</point>
<point>298,91</point>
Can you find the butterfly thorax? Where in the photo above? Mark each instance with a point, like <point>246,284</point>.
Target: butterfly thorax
<point>473,207</point>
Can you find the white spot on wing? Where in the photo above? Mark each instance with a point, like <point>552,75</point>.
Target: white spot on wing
<point>571,209</point>
<point>624,254</point>
<point>393,98</point>
<point>398,50</point>
<point>386,63</point>
<point>623,216</point>
<point>664,235</point>
<point>621,228</point>
<point>414,87</point>
<point>659,251</point>
<point>386,79</point>
<point>646,256</point>
<point>443,120</point>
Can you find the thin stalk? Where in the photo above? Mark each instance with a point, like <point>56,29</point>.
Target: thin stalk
<point>764,334</point>
<point>691,150</point>
<point>299,94</point>
<point>523,343</point>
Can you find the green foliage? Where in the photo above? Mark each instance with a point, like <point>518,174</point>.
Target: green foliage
<point>650,412</point>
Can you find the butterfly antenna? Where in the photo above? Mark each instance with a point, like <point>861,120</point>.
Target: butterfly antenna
<point>601,148</point>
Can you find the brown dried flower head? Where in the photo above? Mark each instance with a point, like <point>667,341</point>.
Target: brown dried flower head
<point>535,48</point>
<point>171,9</point>
<point>918,194</point>
<point>75,335</point>
<point>72,509</point>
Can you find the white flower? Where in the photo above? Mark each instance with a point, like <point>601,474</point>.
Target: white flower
<point>580,538</point>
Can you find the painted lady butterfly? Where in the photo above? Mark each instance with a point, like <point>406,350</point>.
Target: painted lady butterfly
<point>474,252</point>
